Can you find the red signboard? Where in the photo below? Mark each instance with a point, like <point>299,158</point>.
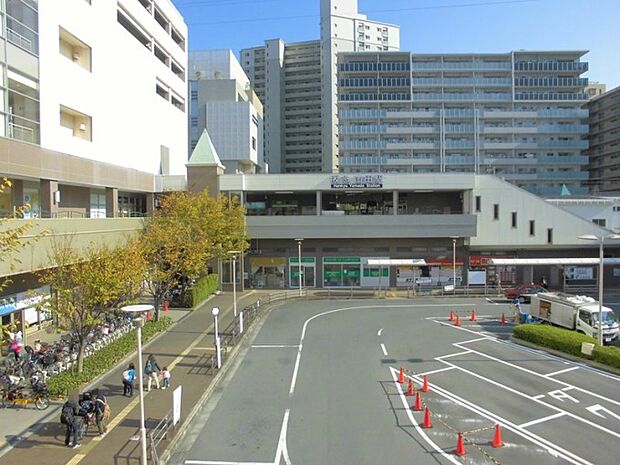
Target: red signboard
<point>482,260</point>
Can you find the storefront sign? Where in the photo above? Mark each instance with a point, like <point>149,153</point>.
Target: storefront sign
<point>361,181</point>
<point>579,273</point>
<point>177,394</point>
<point>341,260</point>
<point>303,259</point>
<point>482,260</point>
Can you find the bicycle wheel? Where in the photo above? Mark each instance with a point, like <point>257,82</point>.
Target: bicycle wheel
<point>41,403</point>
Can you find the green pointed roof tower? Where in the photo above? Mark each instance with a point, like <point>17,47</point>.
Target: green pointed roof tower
<point>564,190</point>
<point>204,167</point>
<point>204,153</point>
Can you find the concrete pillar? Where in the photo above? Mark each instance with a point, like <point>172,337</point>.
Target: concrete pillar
<point>319,202</point>
<point>111,202</point>
<point>49,207</point>
<point>150,204</point>
<point>395,203</point>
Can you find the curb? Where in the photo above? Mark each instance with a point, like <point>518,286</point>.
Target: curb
<point>573,358</point>
<point>226,367</point>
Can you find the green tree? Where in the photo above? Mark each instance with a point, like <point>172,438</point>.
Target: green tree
<point>90,284</point>
<point>186,233</point>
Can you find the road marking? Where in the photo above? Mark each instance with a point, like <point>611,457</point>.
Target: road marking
<point>565,370</point>
<point>384,349</point>
<point>211,462</point>
<point>435,371</point>
<point>492,301</point>
<point>274,346</point>
<point>595,409</point>
<point>548,445</point>
<point>456,354</point>
<point>379,332</point>
<point>282,450</point>
<point>76,459</point>
<point>541,420</point>
<point>474,340</point>
<point>561,396</point>
<point>415,423</point>
<point>295,370</point>
<point>539,396</point>
<point>204,348</point>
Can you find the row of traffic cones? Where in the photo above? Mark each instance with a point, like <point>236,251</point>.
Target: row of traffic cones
<point>410,387</point>
<point>457,319</point>
<point>496,442</point>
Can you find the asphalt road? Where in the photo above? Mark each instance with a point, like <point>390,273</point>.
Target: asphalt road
<point>318,385</point>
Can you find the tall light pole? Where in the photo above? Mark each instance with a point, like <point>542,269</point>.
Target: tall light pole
<point>233,254</point>
<point>299,241</point>
<point>454,238</point>
<point>218,353</point>
<point>138,322</point>
<point>601,240</point>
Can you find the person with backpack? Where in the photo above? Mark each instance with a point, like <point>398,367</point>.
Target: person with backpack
<point>129,375</point>
<point>70,417</point>
<point>102,411</point>
<point>151,370</point>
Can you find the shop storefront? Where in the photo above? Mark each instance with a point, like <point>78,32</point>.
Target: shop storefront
<point>267,272</point>
<point>374,276</point>
<point>28,306</point>
<point>480,269</point>
<point>308,272</point>
<point>342,271</point>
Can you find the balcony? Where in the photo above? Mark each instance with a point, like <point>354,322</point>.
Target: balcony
<point>462,65</point>
<point>580,67</point>
<point>361,226</point>
<point>461,97</point>
<point>462,82</point>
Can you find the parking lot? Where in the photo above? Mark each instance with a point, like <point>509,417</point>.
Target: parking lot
<point>319,385</point>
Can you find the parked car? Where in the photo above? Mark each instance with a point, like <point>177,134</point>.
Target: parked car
<point>524,292</point>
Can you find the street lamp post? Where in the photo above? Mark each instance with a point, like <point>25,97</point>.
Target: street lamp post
<point>601,240</point>
<point>233,254</point>
<point>140,310</point>
<point>299,241</point>
<point>454,238</point>
<point>218,354</point>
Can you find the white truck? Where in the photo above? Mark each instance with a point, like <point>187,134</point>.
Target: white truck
<point>576,312</point>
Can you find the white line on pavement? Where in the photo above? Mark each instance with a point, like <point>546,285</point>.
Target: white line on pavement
<point>456,354</point>
<point>474,340</point>
<point>539,396</point>
<point>274,346</point>
<point>379,332</point>
<point>439,370</point>
<point>282,450</point>
<point>384,349</point>
<point>541,420</point>
<point>415,423</point>
<point>492,301</point>
<point>211,462</point>
<point>561,371</point>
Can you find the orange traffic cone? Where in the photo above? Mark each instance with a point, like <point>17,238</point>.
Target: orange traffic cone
<point>473,315</point>
<point>497,438</point>
<point>460,446</point>
<point>410,388</point>
<point>457,322</point>
<point>451,315</point>
<point>427,419</point>
<point>503,319</point>
<point>401,375</point>
<point>417,406</point>
<point>425,387</point>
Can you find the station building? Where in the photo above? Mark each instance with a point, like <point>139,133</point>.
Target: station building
<point>454,222</point>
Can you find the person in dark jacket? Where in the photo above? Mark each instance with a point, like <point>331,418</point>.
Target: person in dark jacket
<point>100,411</point>
<point>129,375</point>
<point>70,416</point>
<point>151,370</point>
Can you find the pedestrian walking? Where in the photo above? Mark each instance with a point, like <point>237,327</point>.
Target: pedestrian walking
<point>102,411</point>
<point>165,374</point>
<point>70,417</point>
<point>129,375</point>
<point>151,370</point>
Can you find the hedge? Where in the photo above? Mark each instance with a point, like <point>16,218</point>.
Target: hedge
<point>104,359</point>
<point>567,341</point>
<point>203,288</point>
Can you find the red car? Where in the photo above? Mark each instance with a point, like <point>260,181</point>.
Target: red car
<point>524,292</point>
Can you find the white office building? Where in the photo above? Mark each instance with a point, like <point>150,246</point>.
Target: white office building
<point>222,102</point>
<point>297,84</point>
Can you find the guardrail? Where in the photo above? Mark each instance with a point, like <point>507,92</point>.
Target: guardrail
<point>158,434</point>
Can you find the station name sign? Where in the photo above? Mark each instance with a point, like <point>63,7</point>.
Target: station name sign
<point>363,181</point>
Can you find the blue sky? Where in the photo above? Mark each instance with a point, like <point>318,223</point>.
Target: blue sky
<point>427,26</point>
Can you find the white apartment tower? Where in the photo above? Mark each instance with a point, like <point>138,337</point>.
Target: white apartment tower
<point>222,102</point>
<point>297,84</point>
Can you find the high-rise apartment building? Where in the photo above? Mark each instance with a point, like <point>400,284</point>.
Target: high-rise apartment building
<point>604,150</point>
<point>297,84</point>
<point>222,102</point>
<point>95,107</point>
<point>517,115</point>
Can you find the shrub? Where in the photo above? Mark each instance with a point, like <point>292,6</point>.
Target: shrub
<point>607,355</point>
<point>553,337</point>
<point>203,288</point>
<point>104,359</point>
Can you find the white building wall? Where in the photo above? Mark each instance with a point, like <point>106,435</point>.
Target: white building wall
<point>595,208</point>
<point>216,64</point>
<point>130,122</point>
<point>498,233</point>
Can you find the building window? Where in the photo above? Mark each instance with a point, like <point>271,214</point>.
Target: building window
<point>74,49</point>
<point>514,219</point>
<point>162,92</point>
<point>133,29</point>
<point>550,236</point>
<point>600,221</point>
<point>478,203</point>
<point>177,102</point>
<point>194,95</point>
<point>496,211</point>
<point>253,143</point>
<point>194,121</point>
<point>532,227</point>
<point>77,124</point>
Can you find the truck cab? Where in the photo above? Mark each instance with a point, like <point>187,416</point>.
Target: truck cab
<point>588,322</point>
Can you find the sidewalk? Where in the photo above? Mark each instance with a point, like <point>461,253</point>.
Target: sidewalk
<point>184,348</point>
